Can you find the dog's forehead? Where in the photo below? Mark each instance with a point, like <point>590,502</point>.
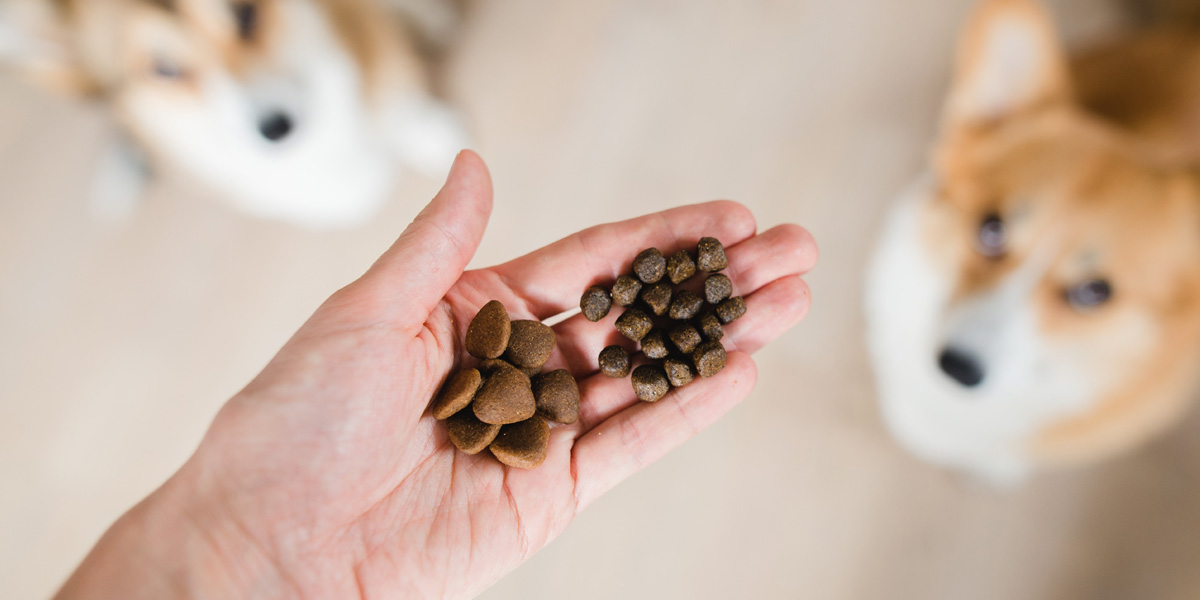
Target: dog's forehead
<point>187,12</point>
<point>205,27</point>
<point>1153,221</point>
<point>1041,174</point>
<point>170,6</point>
<point>1106,211</point>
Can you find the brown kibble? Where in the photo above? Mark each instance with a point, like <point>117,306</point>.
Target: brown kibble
<point>711,255</point>
<point>679,372</point>
<point>488,333</point>
<point>626,290</point>
<point>490,365</point>
<point>530,344</point>
<point>650,266</point>
<point>505,398</point>
<point>710,326</point>
<point>658,297</point>
<point>731,310</point>
<point>615,362</point>
<point>634,324</point>
<point>709,358</point>
<point>557,396</point>
<point>685,337</point>
<point>523,445</point>
<point>457,393</point>
<point>654,345</point>
<point>680,267</point>
<point>596,303</point>
<point>468,433</point>
<point>650,383</point>
<point>686,306</point>
<point>717,288</point>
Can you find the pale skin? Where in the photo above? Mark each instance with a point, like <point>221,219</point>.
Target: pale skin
<point>328,478</point>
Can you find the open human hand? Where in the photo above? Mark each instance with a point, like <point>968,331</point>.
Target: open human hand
<point>326,477</point>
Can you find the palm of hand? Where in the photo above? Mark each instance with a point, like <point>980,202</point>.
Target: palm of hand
<point>333,467</point>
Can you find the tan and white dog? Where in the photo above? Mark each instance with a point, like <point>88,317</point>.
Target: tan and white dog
<point>297,110</point>
<point>1035,298</point>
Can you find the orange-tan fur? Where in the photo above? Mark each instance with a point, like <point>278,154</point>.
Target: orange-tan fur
<point>385,55</point>
<point>297,110</point>
<point>1150,221</point>
<point>1129,96</point>
<point>1096,167</point>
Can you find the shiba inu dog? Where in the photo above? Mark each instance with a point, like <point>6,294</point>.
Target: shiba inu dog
<point>297,110</point>
<point>1035,297</point>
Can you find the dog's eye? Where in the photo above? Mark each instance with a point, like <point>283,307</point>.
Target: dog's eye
<point>168,69</point>
<point>246,15</point>
<point>993,237</point>
<point>1090,294</point>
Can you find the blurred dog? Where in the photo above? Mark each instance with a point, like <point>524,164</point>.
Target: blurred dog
<point>1035,298</point>
<point>294,110</point>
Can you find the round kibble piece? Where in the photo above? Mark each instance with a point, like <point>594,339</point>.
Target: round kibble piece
<point>650,383</point>
<point>731,310</point>
<point>523,445</point>
<point>654,345</point>
<point>634,324</point>
<point>679,372</point>
<point>626,290</point>
<point>680,267</point>
<point>658,297</point>
<point>686,306</point>
<point>488,333</point>
<point>717,288</point>
<point>505,398</point>
<point>557,396</point>
<point>615,362</point>
<point>530,344</point>
<point>650,265</point>
<point>457,393</point>
<point>710,326</point>
<point>711,255</point>
<point>709,358</point>
<point>685,337</point>
<point>596,303</point>
<point>468,433</point>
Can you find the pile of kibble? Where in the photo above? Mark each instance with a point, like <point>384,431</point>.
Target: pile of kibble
<point>677,327</point>
<point>503,403</point>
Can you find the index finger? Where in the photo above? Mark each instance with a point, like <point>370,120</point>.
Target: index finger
<point>552,279</point>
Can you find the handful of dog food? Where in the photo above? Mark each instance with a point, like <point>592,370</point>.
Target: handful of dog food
<point>678,327</point>
<point>504,402</point>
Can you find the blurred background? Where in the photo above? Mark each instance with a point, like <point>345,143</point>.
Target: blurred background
<point>119,339</point>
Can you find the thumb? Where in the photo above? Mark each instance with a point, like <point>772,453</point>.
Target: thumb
<point>428,258</point>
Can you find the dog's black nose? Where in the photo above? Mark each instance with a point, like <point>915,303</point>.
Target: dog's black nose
<point>276,126</point>
<point>961,367</point>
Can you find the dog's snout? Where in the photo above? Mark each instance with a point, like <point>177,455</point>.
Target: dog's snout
<point>961,367</point>
<point>276,126</point>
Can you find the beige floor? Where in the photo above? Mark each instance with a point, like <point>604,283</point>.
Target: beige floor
<point>119,340</point>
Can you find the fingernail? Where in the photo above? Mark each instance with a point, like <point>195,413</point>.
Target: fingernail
<point>459,159</point>
<point>455,166</point>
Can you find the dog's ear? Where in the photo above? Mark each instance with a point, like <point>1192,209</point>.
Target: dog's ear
<point>1009,60</point>
<point>34,40</point>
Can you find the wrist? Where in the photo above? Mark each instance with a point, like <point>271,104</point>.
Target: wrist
<point>175,544</point>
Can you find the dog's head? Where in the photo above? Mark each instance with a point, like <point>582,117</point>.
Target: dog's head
<point>1074,257</point>
<point>180,55</point>
<point>266,99</point>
